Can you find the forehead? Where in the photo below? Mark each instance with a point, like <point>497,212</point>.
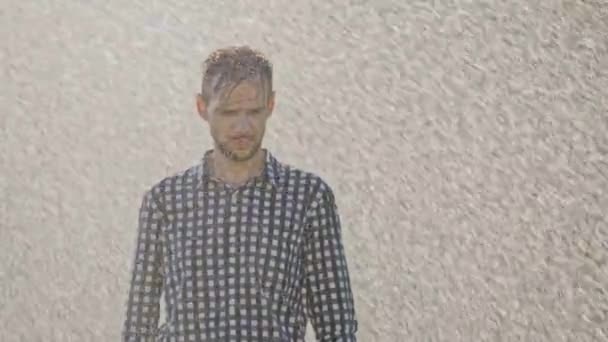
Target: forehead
<point>248,94</point>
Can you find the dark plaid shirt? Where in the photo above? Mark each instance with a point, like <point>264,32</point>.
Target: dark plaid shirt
<point>248,263</point>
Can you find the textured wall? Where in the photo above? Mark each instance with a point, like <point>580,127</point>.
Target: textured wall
<point>466,141</point>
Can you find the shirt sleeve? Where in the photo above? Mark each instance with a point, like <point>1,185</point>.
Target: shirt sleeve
<point>330,304</point>
<point>143,302</point>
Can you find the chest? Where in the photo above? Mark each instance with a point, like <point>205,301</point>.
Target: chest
<point>222,234</point>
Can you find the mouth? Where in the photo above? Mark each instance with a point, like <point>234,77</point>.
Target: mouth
<point>242,141</point>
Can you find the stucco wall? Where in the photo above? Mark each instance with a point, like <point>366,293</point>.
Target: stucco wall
<point>466,142</point>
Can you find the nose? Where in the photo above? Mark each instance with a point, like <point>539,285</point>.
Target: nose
<point>242,124</point>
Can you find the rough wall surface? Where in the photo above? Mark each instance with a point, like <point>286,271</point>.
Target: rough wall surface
<point>466,142</point>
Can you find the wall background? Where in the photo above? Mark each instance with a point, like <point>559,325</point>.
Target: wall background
<point>466,141</point>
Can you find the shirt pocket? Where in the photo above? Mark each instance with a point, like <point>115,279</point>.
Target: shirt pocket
<point>278,254</point>
<point>199,259</point>
<point>207,284</point>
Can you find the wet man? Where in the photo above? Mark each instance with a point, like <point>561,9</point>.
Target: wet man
<point>243,246</point>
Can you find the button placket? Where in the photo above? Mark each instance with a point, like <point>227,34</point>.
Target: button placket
<point>236,204</point>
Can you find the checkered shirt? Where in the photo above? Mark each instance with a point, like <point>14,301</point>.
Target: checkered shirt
<point>248,263</point>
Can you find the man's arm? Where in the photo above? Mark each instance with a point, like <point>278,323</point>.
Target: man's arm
<point>330,300</point>
<point>143,302</point>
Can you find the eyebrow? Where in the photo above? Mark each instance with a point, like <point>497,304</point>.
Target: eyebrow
<point>224,109</point>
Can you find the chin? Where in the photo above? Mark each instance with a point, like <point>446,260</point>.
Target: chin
<point>239,154</point>
<point>242,155</point>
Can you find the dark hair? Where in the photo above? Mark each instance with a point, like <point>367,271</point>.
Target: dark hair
<point>226,67</point>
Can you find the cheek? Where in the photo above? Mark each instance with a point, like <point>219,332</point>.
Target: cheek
<point>219,126</point>
<point>260,127</point>
<point>217,132</point>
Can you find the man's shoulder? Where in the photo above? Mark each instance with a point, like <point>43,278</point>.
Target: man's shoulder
<point>317,184</point>
<point>178,181</point>
<point>317,189</point>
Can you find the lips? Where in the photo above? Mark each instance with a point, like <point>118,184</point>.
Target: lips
<point>242,141</point>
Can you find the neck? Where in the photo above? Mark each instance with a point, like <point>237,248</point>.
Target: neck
<point>236,172</point>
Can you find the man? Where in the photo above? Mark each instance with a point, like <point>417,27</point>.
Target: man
<point>243,247</point>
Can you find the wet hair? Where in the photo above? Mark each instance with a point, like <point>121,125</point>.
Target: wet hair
<point>226,67</point>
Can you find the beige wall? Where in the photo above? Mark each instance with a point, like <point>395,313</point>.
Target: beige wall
<point>466,141</point>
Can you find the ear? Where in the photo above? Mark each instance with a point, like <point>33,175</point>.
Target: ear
<point>201,106</point>
<point>271,102</point>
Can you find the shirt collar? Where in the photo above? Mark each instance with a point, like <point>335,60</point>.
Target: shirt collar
<point>271,173</point>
